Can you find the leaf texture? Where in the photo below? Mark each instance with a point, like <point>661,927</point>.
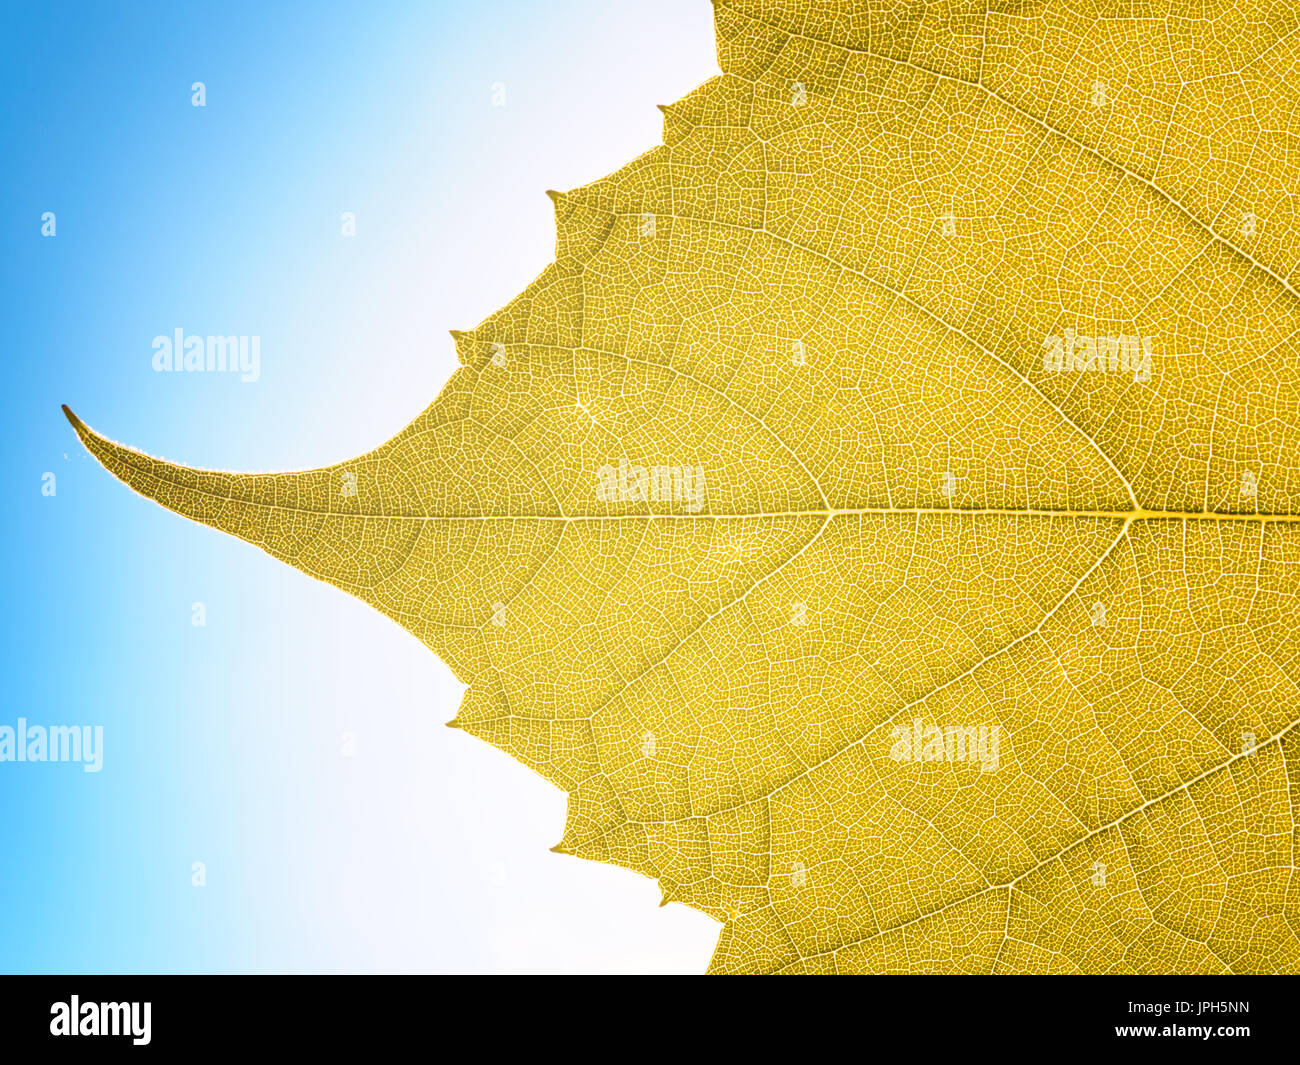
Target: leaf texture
<point>829,294</point>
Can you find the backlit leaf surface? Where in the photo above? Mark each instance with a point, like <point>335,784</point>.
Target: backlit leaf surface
<point>824,306</point>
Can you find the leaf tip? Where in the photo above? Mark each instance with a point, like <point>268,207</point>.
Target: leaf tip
<point>84,432</point>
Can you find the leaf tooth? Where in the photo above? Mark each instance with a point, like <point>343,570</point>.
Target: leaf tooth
<point>676,123</point>
<point>582,226</point>
<point>565,205</point>
<point>466,348</point>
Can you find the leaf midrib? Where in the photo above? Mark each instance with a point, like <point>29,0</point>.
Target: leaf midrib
<point>819,512</point>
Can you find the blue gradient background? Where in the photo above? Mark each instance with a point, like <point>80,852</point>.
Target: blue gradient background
<point>427,850</point>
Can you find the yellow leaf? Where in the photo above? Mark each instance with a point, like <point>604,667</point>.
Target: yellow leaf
<point>881,518</point>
